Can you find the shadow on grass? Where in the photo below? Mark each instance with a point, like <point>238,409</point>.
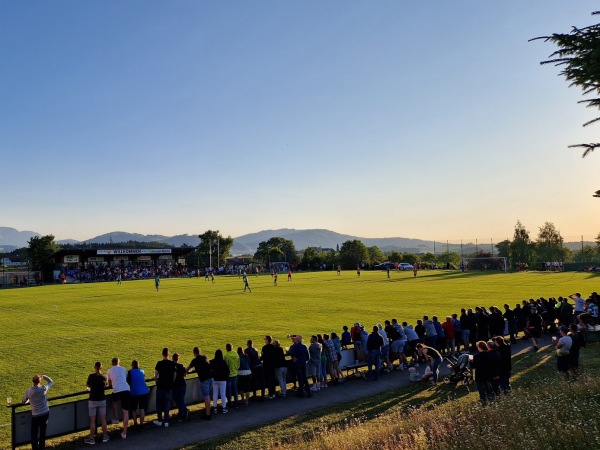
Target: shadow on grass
<point>307,426</point>
<point>528,368</point>
<point>452,274</point>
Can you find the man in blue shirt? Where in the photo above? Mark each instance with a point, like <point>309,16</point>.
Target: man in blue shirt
<point>299,354</point>
<point>374,344</point>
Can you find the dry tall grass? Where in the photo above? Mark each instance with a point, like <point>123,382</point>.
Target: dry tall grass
<point>549,413</point>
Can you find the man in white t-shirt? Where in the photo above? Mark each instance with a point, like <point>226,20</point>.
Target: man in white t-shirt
<point>117,380</point>
<point>563,346</point>
<point>579,303</point>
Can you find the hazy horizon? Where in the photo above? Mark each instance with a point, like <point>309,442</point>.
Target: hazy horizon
<point>481,239</point>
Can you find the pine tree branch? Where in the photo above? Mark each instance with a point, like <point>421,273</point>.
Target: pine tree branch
<point>588,148</point>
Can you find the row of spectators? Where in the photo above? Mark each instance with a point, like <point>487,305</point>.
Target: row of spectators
<point>230,376</point>
<point>139,271</point>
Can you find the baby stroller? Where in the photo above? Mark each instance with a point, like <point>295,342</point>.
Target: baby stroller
<point>461,372</point>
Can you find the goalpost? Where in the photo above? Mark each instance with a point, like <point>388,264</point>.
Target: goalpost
<point>494,263</point>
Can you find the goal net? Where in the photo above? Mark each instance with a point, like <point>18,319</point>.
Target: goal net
<point>492,263</point>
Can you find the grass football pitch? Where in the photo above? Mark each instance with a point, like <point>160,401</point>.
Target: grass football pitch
<point>62,330</point>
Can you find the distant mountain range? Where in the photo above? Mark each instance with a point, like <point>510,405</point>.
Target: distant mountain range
<point>319,238</point>
<point>10,239</point>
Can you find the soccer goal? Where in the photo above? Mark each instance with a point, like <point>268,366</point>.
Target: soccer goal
<point>492,263</point>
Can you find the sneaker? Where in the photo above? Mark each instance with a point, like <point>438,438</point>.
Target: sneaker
<point>225,411</point>
<point>89,441</point>
<point>166,424</point>
<point>314,388</point>
<point>158,423</point>
<point>123,436</point>
<point>106,438</point>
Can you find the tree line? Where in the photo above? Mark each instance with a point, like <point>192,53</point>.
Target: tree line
<point>214,249</point>
<point>549,246</point>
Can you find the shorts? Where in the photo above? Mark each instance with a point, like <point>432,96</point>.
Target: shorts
<point>385,351</point>
<point>205,387</point>
<point>96,408</point>
<point>123,396</point>
<point>535,332</point>
<point>312,369</point>
<point>138,402</point>
<point>397,346</point>
<point>330,369</point>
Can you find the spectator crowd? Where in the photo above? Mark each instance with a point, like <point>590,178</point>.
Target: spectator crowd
<point>230,378</point>
<point>139,271</point>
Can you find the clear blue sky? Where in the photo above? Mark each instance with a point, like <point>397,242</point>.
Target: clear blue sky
<point>430,120</point>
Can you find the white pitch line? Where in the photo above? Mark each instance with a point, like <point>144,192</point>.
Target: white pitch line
<point>59,320</point>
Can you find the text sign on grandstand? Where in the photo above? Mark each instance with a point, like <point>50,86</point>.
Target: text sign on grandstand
<point>8,262</point>
<point>133,251</point>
